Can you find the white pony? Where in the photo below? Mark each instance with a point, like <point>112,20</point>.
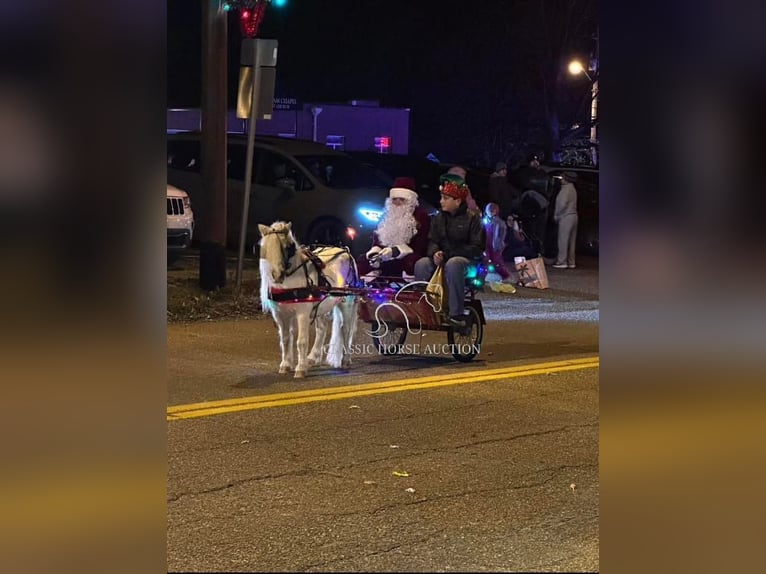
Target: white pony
<point>291,288</point>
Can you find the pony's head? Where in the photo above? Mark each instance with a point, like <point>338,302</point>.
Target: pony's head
<point>278,247</point>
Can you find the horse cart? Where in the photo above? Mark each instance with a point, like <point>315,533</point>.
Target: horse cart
<point>319,285</point>
<point>395,309</point>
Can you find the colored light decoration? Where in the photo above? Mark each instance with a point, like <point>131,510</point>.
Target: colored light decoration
<point>383,144</point>
<point>250,19</point>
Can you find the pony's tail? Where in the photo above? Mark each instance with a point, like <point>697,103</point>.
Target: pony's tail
<point>265,271</point>
<point>335,349</point>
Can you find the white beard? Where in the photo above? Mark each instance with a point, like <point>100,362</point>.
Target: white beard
<point>398,225</point>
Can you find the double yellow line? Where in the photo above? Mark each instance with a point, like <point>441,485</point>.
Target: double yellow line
<point>209,408</point>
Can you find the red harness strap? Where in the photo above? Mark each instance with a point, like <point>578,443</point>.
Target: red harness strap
<point>298,295</point>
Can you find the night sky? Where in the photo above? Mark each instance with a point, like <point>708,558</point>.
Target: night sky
<point>470,71</point>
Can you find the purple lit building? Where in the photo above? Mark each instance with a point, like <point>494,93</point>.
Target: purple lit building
<point>360,125</point>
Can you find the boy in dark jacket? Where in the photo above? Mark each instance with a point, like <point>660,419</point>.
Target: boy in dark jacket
<point>456,238</point>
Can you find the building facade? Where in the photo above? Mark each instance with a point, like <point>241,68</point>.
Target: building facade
<point>360,125</point>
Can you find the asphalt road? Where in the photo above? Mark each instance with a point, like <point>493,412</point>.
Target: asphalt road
<point>413,463</point>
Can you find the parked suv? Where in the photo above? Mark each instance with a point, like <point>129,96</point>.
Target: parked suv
<point>328,196</point>
<point>587,204</point>
<point>180,222</point>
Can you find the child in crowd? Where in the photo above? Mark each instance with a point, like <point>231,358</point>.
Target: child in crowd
<point>496,230</point>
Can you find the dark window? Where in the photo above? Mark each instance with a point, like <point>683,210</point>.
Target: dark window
<point>276,170</point>
<point>235,159</point>
<point>184,154</point>
<point>342,172</point>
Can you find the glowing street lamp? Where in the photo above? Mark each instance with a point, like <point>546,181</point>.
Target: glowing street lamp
<point>575,67</point>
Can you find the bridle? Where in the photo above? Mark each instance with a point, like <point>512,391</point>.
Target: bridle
<point>308,256</point>
<point>287,251</point>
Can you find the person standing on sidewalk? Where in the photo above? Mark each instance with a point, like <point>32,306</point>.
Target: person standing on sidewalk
<point>500,190</point>
<point>565,215</point>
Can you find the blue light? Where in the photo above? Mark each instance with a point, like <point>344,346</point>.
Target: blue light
<point>279,3</point>
<point>371,214</point>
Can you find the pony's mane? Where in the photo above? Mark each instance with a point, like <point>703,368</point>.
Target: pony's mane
<point>285,235</point>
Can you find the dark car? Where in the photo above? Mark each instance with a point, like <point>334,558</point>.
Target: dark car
<point>426,174</point>
<point>328,196</point>
<point>549,184</point>
<point>587,204</point>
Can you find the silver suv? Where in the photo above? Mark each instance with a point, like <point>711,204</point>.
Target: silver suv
<point>329,197</point>
<point>180,222</point>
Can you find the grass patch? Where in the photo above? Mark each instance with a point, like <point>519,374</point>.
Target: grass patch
<point>188,302</point>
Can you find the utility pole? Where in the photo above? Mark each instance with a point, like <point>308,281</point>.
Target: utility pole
<point>594,103</point>
<point>212,270</point>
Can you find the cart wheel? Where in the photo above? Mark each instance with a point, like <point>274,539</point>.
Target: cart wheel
<point>465,341</point>
<point>393,338</point>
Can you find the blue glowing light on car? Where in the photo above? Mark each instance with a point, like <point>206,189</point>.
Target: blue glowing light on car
<point>371,214</point>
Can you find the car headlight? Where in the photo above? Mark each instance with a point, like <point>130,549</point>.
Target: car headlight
<point>371,214</point>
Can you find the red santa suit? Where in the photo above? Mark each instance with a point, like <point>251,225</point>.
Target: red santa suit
<point>401,237</point>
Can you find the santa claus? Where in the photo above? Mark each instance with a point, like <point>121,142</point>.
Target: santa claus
<point>401,237</point>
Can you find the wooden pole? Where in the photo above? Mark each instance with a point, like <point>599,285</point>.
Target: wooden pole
<point>212,229</point>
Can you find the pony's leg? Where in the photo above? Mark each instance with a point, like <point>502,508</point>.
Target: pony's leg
<point>302,318</point>
<point>349,309</point>
<point>291,345</point>
<point>335,348</point>
<point>285,330</point>
<point>315,356</point>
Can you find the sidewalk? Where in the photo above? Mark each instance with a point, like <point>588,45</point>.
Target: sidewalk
<point>580,283</point>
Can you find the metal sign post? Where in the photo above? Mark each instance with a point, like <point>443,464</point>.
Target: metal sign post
<point>263,53</point>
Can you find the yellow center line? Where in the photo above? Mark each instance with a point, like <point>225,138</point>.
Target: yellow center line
<point>209,408</point>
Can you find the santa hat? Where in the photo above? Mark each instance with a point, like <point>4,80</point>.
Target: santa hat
<point>404,187</point>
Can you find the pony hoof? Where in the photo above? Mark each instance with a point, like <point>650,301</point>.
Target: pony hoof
<point>300,374</point>
<point>283,370</point>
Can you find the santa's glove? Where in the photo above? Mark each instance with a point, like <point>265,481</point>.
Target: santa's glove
<point>401,251</point>
<point>373,253</point>
<point>387,254</point>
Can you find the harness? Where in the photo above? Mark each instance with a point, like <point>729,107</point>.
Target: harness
<point>310,293</point>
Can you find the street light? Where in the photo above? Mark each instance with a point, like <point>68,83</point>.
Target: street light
<point>575,67</point>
